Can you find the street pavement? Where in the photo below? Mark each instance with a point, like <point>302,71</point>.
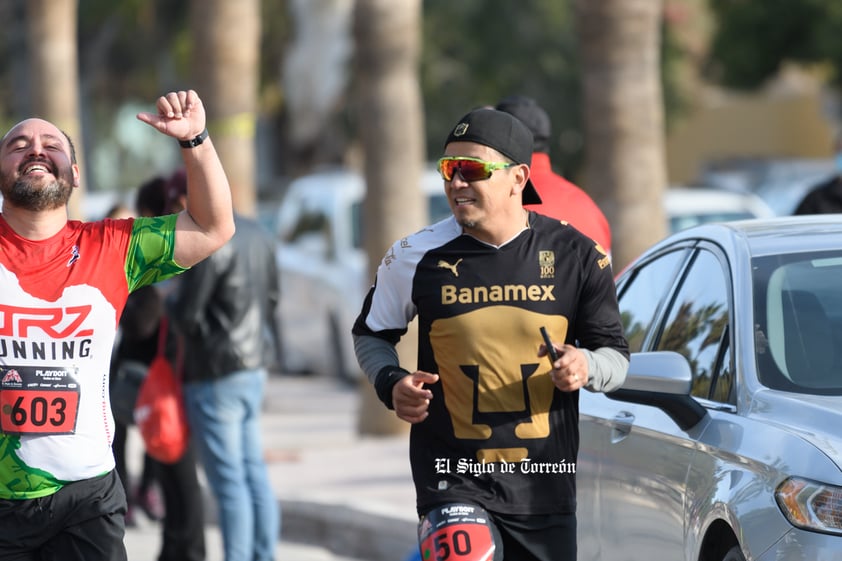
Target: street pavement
<point>343,496</point>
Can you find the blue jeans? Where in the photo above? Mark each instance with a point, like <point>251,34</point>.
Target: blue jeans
<point>224,416</point>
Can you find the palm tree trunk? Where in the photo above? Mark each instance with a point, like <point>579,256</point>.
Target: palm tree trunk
<point>54,70</point>
<point>625,162</point>
<point>390,115</point>
<point>226,57</point>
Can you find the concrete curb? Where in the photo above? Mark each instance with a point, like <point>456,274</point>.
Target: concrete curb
<point>347,531</point>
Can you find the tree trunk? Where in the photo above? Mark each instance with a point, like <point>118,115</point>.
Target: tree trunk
<point>226,62</point>
<point>54,70</point>
<point>390,116</point>
<point>625,167</point>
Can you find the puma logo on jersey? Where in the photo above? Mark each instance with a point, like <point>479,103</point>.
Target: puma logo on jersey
<point>452,268</point>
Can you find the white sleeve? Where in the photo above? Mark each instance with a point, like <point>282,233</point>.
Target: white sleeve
<point>391,301</point>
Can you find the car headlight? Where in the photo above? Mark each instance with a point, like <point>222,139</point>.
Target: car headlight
<point>811,505</point>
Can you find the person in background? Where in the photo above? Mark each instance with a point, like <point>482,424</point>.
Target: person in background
<point>134,327</point>
<point>118,211</point>
<point>224,308</point>
<point>61,496</point>
<point>494,433</point>
<point>560,198</point>
<point>182,527</point>
<point>826,197</point>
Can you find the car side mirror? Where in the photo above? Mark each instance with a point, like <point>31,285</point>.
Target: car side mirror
<point>662,379</point>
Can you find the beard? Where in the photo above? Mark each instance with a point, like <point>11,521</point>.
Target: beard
<point>38,193</point>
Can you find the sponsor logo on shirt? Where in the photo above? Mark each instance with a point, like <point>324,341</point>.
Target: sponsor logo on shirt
<point>450,294</point>
<point>11,377</point>
<point>74,255</point>
<point>44,333</point>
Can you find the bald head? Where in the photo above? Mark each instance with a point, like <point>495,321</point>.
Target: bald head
<point>43,128</point>
<point>38,168</point>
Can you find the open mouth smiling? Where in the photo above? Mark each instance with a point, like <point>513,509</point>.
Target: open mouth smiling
<point>36,168</point>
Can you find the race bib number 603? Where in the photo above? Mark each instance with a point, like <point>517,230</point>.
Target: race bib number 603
<point>36,400</point>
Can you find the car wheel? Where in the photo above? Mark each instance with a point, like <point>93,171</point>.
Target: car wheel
<point>734,554</point>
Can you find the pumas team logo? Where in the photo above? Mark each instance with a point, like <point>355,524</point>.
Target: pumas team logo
<point>546,262</point>
<point>461,129</point>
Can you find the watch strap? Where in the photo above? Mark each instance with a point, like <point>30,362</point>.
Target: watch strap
<point>195,141</point>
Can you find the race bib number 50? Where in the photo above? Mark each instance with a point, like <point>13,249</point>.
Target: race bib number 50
<point>457,532</point>
<point>36,400</point>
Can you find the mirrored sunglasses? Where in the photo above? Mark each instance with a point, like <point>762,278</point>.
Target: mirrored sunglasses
<point>470,169</point>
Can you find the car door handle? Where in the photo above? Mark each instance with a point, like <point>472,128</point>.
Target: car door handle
<point>621,426</point>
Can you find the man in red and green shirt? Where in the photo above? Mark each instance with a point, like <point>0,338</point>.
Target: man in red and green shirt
<point>63,285</point>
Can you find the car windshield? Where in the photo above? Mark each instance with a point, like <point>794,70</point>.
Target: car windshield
<point>798,321</point>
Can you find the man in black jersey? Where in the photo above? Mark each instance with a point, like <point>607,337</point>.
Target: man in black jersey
<point>494,435</point>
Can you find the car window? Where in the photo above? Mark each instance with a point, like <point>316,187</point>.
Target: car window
<point>798,321</point>
<point>698,319</point>
<point>303,221</point>
<point>641,294</point>
<point>723,383</point>
<point>311,222</point>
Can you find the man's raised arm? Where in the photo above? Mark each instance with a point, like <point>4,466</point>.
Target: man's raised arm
<point>208,221</point>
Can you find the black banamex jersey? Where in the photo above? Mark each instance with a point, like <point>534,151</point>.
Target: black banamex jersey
<point>499,433</point>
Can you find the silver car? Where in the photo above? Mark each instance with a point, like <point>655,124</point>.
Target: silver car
<point>725,441</point>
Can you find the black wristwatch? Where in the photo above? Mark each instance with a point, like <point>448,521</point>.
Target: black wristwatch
<point>193,142</point>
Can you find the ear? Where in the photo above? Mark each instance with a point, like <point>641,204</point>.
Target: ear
<point>520,174</point>
<point>74,168</point>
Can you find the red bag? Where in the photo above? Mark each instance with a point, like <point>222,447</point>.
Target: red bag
<point>159,411</point>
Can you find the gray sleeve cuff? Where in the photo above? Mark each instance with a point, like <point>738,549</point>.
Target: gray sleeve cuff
<point>607,369</point>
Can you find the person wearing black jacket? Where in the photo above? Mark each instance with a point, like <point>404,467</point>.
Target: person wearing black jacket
<point>224,308</point>
<point>182,528</point>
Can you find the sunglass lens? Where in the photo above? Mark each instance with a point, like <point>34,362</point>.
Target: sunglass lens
<point>473,171</point>
<point>446,168</point>
<point>469,170</point>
